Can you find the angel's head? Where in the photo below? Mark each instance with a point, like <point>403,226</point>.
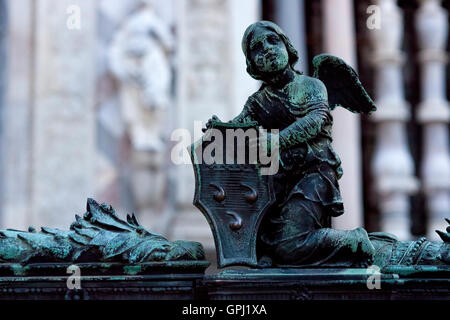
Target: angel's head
<point>267,50</point>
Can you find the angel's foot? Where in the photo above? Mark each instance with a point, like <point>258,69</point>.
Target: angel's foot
<point>265,262</point>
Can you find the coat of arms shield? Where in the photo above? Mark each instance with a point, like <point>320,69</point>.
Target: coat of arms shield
<point>231,191</point>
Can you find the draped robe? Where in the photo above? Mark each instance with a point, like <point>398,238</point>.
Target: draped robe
<point>297,229</point>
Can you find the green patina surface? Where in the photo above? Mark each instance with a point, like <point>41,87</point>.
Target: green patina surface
<point>297,229</point>
<point>99,236</point>
<point>132,269</point>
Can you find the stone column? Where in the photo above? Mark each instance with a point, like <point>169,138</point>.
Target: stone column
<point>434,112</point>
<point>3,81</point>
<point>393,166</point>
<point>3,55</point>
<point>17,117</point>
<point>211,79</point>
<point>339,40</point>
<point>63,134</point>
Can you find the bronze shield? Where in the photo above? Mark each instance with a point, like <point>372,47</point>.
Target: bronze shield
<point>233,198</point>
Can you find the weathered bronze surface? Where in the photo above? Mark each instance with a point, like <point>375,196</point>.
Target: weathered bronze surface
<point>99,236</point>
<point>279,224</point>
<point>169,283</point>
<point>296,231</point>
<point>405,283</point>
<point>116,259</point>
<point>233,198</point>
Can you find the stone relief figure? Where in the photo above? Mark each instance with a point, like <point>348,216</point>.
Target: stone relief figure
<point>297,229</point>
<point>140,58</point>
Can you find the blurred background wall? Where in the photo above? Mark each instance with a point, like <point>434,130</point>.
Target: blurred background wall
<point>91,91</point>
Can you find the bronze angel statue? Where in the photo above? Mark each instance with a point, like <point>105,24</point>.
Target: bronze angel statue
<point>297,230</point>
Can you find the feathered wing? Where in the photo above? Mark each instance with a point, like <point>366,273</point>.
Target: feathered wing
<point>343,85</point>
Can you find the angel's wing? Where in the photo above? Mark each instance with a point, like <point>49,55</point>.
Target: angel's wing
<point>343,85</point>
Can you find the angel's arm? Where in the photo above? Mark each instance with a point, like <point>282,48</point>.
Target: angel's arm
<point>306,127</point>
<point>312,114</point>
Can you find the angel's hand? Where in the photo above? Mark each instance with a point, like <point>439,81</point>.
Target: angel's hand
<point>210,121</point>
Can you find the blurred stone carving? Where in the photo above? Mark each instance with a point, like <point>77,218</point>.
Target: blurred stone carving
<point>393,166</point>
<point>140,58</point>
<point>434,112</point>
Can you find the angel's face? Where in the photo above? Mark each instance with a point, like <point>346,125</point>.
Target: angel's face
<point>268,51</point>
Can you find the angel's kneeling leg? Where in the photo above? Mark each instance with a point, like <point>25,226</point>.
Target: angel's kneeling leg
<point>299,234</point>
